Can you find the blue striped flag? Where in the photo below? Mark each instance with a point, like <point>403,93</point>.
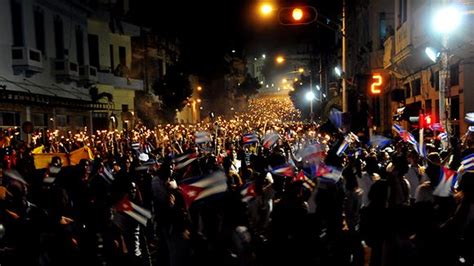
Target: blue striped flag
<point>202,137</point>
<point>379,141</point>
<point>335,116</point>
<point>283,170</point>
<point>199,188</point>
<point>249,138</point>
<point>270,139</point>
<point>447,180</point>
<point>343,147</point>
<point>468,163</point>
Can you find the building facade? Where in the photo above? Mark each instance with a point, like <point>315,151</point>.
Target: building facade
<point>49,62</point>
<point>412,79</point>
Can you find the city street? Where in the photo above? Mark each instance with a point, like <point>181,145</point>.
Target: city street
<point>241,133</point>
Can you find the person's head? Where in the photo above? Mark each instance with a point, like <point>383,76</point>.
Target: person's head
<point>400,165</point>
<point>378,194</point>
<point>433,168</point>
<point>371,165</point>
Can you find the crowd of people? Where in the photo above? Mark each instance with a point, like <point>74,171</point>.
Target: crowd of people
<point>262,188</point>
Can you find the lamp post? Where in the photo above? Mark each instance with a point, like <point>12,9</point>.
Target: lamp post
<point>444,21</point>
<point>310,97</point>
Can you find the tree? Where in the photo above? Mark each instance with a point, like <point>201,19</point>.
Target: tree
<point>249,87</point>
<point>173,90</point>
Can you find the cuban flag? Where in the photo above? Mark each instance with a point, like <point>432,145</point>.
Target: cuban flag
<point>343,147</point>
<point>399,129</point>
<point>136,212</point>
<point>184,160</point>
<point>249,138</point>
<point>202,137</point>
<point>328,173</point>
<point>248,191</point>
<point>443,136</point>
<point>283,170</point>
<point>316,150</point>
<point>270,139</point>
<point>420,148</point>
<point>379,141</point>
<point>306,181</point>
<point>198,188</point>
<point>468,163</point>
<point>447,180</point>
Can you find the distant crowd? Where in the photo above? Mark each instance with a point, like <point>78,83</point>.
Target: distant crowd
<point>259,189</point>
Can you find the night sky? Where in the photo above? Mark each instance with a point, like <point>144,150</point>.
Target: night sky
<point>209,29</point>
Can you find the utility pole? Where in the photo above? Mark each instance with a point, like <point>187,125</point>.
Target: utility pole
<point>344,48</point>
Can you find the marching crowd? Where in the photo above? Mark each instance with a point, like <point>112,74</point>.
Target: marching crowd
<point>259,189</point>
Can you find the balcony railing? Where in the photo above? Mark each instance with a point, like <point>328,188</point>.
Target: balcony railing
<point>120,82</point>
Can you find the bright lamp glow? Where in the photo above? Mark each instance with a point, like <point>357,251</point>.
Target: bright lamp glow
<point>266,9</point>
<point>310,96</point>
<point>318,88</point>
<point>297,14</point>
<point>447,19</point>
<point>432,54</point>
<point>338,71</point>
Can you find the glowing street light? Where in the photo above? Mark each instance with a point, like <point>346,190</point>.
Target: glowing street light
<point>284,80</point>
<point>199,88</point>
<point>338,71</point>
<point>264,56</point>
<point>447,19</point>
<point>280,59</point>
<point>266,9</point>
<point>310,97</point>
<point>301,70</point>
<point>432,54</point>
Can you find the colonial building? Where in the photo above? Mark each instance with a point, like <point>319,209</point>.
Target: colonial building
<point>53,54</point>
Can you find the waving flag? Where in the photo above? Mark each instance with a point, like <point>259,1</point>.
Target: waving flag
<point>443,136</point>
<point>447,180</point>
<point>399,129</point>
<point>248,192</point>
<point>379,141</point>
<point>335,116</point>
<point>198,188</point>
<point>284,170</point>
<point>468,163</point>
<point>343,147</point>
<point>328,173</point>
<point>315,150</point>
<point>202,137</point>
<point>306,181</point>
<point>249,138</point>
<point>270,139</point>
<point>136,212</point>
<point>184,160</point>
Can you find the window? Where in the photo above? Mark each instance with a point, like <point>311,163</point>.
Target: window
<point>124,108</point>
<point>437,107</point>
<point>402,12</point>
<point>454,75</point>
<point>122,55</point>
<point>61,120</point>
<point>80,45</point>
<point>100,121</point>
<point>428,107</point>
<point>111,52</point>
<point>93,41</point>
<point>382,28</point>
<point>416,87</point>
<point>59,37</point>
<point>9,119</point>
<point>39,120</point>
<point>17,23</point>
<point>39,30</point>
<point>455,108</point>
<point>436,81</point>
<point>407,91</point>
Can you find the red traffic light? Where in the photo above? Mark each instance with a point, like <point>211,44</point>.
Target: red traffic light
<point>300,15</point>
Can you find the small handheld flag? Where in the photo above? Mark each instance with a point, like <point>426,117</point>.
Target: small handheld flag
<point>283,170</point>
<point>447,180</point>
<point>249,138</point>
<point>136,212</point>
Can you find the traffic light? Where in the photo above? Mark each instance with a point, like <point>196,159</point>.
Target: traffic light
<point>298,15</point>
<point>376,84</point>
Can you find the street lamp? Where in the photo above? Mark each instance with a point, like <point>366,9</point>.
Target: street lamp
<point>338,71</point>
<point>310,97</point>
<point>199,88</point>
<point>266,9</point>
<point>432,54</point>
<point>445,21</point>
<point>280,59</point>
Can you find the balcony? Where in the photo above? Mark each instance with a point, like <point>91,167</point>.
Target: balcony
<point>120,82</point>
<point>88,74</point>
<point>66,70</point>
<point>389,52</point>
<point>27,60</point>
